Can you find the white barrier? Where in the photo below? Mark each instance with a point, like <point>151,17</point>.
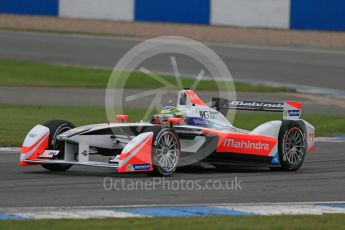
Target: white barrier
<point>119,10</point>
<point>251,13</point>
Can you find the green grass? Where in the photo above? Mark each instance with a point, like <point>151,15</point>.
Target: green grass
<point>325,125</point>
<point>17,120</point>
<point>231,222</point>
<point>28,73</point>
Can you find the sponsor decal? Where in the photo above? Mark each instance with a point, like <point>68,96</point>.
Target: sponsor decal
<point>257,104</point>
<point>197,121</point>
<point>245,144</point>
<point>208,114</point>
<point>141,166</point>
<point>49,154</point>
<point>137,167</point>
<point>32,135</point>
<point>311,137</point>
<point>129,167</point>
<point>294,112</point>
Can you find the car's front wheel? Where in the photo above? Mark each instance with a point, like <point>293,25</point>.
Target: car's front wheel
<point>57,127</point>
<point>165,152</point>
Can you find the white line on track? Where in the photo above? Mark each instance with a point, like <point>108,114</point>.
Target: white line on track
<point>9,150</point>
<point>295,208</point>
<point>330,139</point>
<point>174,205</point>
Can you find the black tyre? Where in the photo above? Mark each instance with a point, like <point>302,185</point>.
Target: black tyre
<point>165,152</point>
<point>57,127</point>
<point>292,145</point>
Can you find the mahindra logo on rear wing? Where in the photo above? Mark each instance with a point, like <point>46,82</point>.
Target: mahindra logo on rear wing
<point>222,104</point>
<point>257,104</point>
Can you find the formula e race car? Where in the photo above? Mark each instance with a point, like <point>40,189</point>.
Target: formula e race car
<point>190,133</point>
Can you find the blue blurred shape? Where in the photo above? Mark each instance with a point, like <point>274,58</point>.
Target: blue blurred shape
<point>318,14</point>
<point>30,7</point>
<point>176,11</point>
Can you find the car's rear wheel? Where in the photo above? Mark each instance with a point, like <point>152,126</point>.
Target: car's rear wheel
<point>165,152</point>
<point>292,145</point>
<point>57,127</point>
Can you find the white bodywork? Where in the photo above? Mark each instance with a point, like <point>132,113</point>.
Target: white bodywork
<point>203,111</point>
<point>310,135</point>
<point>34,137</point>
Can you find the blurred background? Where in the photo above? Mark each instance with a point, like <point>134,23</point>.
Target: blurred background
<point>56,57</point>
<point>61,52</point>
<point>280,14</point>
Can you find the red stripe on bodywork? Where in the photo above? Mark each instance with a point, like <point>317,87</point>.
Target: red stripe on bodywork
<point>194,99</point>
<point>124,155</point>
<point>40,149</point>
<point>295,104</point>
<point>311,148</point>
<point>26,149</point>
<point>243,143</point>
<point>143,156</point>
<point>43,145</point>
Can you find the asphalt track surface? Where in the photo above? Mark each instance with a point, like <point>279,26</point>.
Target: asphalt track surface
<point>321,178</point>
<point>303,66</point>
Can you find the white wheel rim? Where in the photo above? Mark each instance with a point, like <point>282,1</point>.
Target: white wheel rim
<point>294,146</point>
<point>167,152</point>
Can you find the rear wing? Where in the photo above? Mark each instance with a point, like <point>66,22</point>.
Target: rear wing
<point>291,109</point>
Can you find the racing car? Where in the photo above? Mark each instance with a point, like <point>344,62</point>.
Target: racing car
<point>189,133</point>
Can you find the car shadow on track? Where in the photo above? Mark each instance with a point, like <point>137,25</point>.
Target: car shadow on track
<point>193,170</point>
<point>224,169</point>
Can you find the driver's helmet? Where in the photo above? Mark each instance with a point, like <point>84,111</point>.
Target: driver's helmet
<point>172,110</point>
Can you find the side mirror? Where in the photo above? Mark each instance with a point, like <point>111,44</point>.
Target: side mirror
<point>175,120</point>
<point>122,118</point>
